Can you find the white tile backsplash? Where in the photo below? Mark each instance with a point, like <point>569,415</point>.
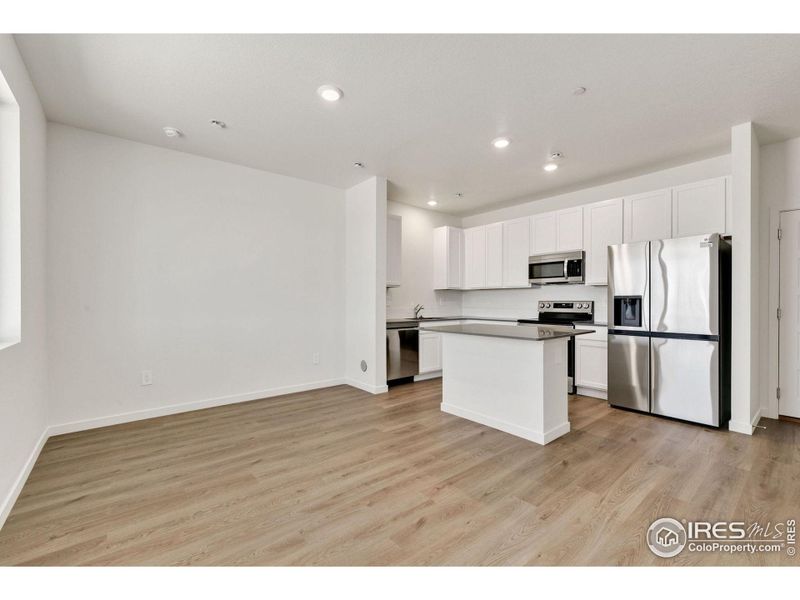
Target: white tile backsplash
<point>524,303</point>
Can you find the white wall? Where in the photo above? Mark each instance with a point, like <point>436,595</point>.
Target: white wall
<point>220,279</point>
<point>417,257</point>
<point>23,366</point>
<point>779,190</point>
<point>688,173</point>
<point>365,282</point>
<point>10,239</point>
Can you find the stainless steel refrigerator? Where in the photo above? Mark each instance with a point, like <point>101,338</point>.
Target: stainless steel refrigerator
<point>669,328</point>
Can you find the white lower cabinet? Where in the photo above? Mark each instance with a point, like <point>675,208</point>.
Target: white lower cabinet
<point>591,362</point>
<point>430,352</point>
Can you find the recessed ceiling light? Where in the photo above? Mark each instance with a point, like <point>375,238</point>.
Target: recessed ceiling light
<point>432,203</point>
<point>579,91</point>
<point>550,167</point>
<point>172,132</point>
<point>330,93</point>
<point>459,194</point>
<point>217,123</point>
<point>501,142</point>
<point>358,165</point>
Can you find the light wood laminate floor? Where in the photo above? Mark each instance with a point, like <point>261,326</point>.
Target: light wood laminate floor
<point>341,477</point>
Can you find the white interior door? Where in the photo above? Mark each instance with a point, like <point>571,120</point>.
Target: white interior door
<point>789,327</point>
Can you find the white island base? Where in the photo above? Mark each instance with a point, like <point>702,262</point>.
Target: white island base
<point>515,385</point>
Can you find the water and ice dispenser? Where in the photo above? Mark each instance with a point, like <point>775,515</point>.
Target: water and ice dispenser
<point>627,311</point>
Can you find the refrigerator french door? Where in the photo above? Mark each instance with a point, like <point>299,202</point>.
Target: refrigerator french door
<point>683,340</point>
<point>629,326</point>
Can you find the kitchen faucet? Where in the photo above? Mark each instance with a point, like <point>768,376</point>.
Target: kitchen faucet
<point>417,310</point>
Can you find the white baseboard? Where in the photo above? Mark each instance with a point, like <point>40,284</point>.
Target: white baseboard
<point>11,497</point>
<point>585,391</point>
<point>426,376</point>
<point>372,389</point>
<point>172,409</point>
<point>745,428</point>
<point>539,437</point>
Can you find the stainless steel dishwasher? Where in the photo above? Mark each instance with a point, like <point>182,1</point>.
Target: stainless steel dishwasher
<point>402,351</point>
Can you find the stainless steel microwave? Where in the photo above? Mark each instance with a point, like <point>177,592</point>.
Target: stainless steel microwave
<point>565,267</point>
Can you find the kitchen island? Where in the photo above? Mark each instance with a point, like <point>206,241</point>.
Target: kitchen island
<point>509,377</point>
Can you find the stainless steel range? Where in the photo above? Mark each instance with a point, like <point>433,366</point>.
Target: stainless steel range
<point>567,313</point>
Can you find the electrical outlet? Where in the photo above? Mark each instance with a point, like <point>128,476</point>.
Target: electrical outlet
<point>315,358</point>
<point>147,378</point>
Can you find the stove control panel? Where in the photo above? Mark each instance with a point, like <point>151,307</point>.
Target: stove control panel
<point>576,306</point>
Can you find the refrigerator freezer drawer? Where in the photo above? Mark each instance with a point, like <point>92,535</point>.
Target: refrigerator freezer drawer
<point>685,379</point>
<point>629,371</point>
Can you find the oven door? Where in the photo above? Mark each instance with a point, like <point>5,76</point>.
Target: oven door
<point>565,267</point>
<point>544,270</point>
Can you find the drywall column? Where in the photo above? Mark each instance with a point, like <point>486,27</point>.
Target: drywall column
<point>365,284</point>
<point>745,404</point>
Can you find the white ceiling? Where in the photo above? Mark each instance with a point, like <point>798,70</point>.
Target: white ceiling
<point>422,109</point>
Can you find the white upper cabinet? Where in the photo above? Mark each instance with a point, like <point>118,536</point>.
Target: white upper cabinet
<point>394,250</point>
<point>699,208</point>
<point>557,231</point>
<point>484,252</point>
<point>569,223</point>
<point>448,258</point>
<point>602,227</point>
<point>494,255</point>
<point>543,233</point>
<point>475,257</point>
<point>516,248</point>
<point>648,216</point>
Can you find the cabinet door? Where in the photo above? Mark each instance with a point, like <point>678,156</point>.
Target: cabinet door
<point>602,227</point>
<point>455,258</point>
<point>430,352</point>
<point>569,229</point>
<point>394,236</point>
<point>591,363</point>
<point>699,208</point>
<point>440,258</point>
<point>475,257</point>
<point>494,255</point>
<point>516,247</point>
<point>648,216</point>
<point>448,258</point>
<point>543,233</point>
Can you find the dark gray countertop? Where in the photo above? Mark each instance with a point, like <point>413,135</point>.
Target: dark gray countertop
<point>412,320</point>
<point>530,332</point>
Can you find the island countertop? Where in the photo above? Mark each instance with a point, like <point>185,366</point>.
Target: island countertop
<point>530,332</point>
